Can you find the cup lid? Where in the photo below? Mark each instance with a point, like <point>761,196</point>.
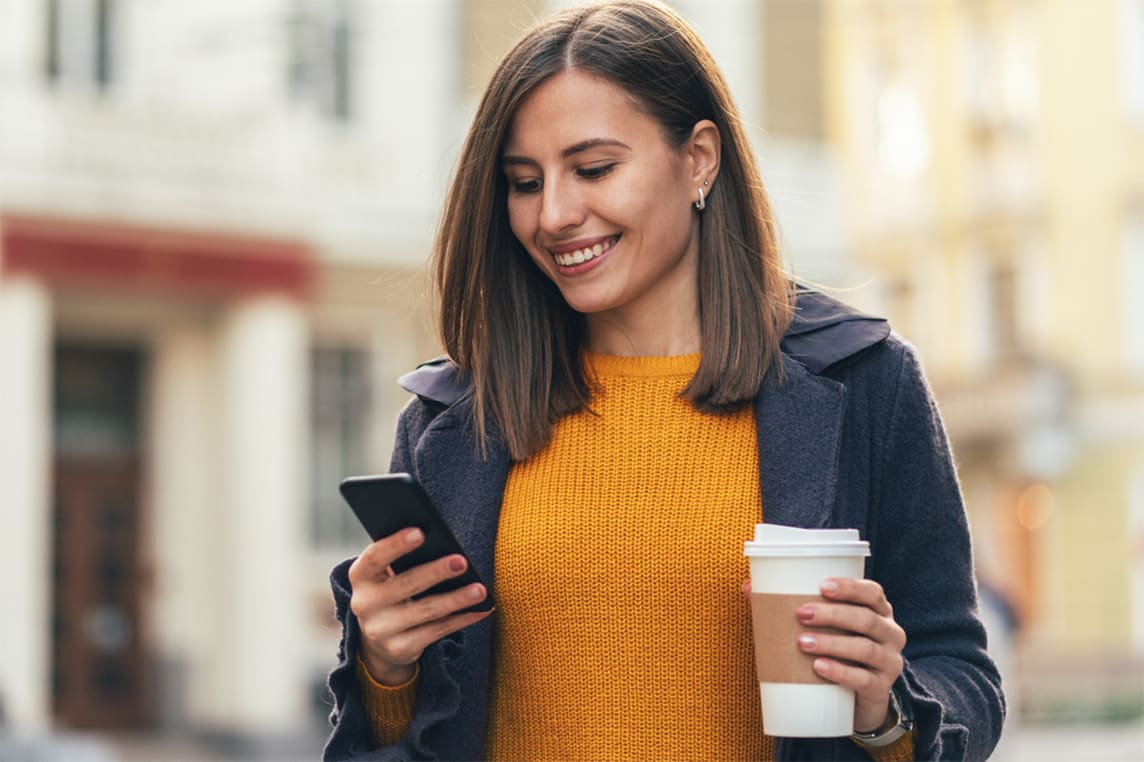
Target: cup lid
<point>777,540</point>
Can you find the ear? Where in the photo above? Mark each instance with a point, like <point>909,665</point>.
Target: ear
<point>704,149</point>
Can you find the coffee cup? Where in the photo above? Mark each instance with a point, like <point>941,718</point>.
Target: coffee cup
<point>788,564</point>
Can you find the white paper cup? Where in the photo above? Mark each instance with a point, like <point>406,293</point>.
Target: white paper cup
<point>787,566</point>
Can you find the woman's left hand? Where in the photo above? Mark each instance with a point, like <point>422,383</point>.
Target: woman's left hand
<point>867,655</point>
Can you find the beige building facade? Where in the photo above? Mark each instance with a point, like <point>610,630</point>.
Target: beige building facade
<point>993,156</point>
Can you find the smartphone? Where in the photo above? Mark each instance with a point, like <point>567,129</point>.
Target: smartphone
<point>387,503</point>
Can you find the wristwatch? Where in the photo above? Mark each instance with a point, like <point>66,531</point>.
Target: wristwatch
<point>896,725</point>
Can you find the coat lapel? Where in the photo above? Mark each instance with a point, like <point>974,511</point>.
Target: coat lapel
<point>465,489</point>
<point>799,425</point>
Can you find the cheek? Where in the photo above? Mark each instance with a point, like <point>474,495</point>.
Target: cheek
<point>522,222</point>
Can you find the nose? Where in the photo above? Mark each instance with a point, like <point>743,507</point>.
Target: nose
<point>561,207</point>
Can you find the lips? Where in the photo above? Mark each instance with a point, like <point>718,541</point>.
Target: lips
<point>586,252</point>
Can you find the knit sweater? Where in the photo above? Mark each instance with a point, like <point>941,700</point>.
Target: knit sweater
<point>622,631</point>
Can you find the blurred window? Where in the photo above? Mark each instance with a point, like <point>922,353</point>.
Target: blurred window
<point>1002,308</point>
<point>994,307</point>
<point>80,43</point>
<point>321,56</point>
<point>1002,87</point>
<point>792,69</point>
<point>1133,286</point>
<point>902,143</point>
<point>1132,27</point>
<point>341,416</point>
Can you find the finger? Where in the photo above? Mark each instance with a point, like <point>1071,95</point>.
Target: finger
<point>853,619</point>
<point>864,592</point>
<point>862,681</point>
<point>746,587</point>
<point>423,577</point>
<point>433,608</point>
<point>859,651</point>
<point>407,646</point>
<point>374,561</point>
<point>392,631</point>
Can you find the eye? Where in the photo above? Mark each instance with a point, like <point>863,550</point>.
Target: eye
<point>597,172</point>
<point>523,185</point>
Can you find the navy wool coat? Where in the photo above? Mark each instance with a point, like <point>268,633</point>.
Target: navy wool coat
<point>850,437</point>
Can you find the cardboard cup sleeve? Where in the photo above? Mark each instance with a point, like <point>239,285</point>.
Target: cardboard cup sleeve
<point>778,658</point>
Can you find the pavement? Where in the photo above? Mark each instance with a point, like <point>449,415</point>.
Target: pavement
<point>1082,743</point>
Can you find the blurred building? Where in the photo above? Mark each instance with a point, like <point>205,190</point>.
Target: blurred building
<point>993,156</point>
<point>214,220</point>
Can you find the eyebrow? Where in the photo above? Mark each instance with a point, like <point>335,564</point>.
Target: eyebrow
<point>571,150</point>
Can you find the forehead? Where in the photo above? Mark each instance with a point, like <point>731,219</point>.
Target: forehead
<point>573,106</point>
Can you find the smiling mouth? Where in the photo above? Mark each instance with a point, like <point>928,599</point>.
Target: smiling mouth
<point>586,254</point>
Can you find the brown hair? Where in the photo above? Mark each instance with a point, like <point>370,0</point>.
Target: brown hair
<point>505,323</point>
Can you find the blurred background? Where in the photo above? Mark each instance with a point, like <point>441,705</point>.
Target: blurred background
<point>214,223</point>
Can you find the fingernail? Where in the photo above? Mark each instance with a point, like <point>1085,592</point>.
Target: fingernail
<point>805,612</point>
<point>413,536</point>
<point>821,665</point>
<point>474,592</point>
<point>829,587</point>
<point>807,640</point>
<point>456,563</point>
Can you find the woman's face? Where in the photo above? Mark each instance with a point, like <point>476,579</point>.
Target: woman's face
<point>602,204</point>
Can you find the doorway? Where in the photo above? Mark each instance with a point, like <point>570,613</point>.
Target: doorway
<point>99,655</point>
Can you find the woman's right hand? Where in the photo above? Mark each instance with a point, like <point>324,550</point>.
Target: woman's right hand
<point>395,629</point>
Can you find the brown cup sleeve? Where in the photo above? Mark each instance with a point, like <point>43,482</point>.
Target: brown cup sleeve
<point>778,658</point>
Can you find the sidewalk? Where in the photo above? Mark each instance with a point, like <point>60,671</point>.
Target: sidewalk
<point>1083,743</point>
<point>1080,743</point>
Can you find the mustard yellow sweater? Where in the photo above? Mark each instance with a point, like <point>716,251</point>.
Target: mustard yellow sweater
<point>622,631</point>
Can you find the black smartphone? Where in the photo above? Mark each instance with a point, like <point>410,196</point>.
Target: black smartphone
<point>387,503</point>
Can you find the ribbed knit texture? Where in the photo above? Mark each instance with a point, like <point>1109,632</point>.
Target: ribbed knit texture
<point>389,707</point>
<point>623,630</point>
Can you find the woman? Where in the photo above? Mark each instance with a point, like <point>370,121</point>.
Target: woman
<point>631,385</point>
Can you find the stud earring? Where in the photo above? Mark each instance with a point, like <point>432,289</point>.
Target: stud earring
<point>701,204</point>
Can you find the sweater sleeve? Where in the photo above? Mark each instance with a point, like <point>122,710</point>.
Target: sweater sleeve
<point>922,555</point>
<point>901,750</point>
<point>389,708</point>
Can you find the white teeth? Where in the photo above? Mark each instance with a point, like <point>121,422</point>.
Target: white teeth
<point>580,256</point>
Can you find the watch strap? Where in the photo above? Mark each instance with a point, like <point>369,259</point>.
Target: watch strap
<point>897,725</point>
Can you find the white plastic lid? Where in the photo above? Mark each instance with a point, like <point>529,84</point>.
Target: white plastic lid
<point>777,540</point>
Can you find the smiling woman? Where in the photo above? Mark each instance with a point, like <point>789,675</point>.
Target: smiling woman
<point>628,372</point>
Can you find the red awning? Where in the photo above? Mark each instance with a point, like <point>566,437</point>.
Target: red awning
<point>142,260</point>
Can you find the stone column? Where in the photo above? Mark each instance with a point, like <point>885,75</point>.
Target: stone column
<point>187,518</point>
<point>25,467</point>
<point>260,536</point>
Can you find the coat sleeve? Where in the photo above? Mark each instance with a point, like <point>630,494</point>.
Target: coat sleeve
<point>922,555</point>
<point>351,737</point>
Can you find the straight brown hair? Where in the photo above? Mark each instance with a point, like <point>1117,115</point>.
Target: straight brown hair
<point>505,323</point>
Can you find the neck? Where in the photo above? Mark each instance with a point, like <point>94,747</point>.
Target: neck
<point>656,336</point>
